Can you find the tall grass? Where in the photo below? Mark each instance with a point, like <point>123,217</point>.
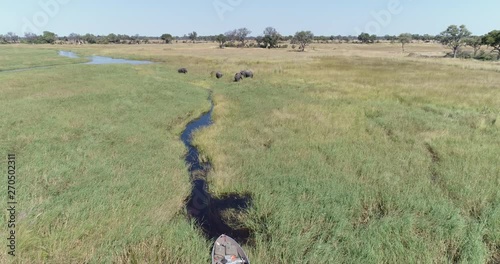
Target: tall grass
<point>12,57</point>
<point>363,160</point>
<point>351,153</point>
<point>101,174</point>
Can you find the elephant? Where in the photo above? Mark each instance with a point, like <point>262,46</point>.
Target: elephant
<point>238,77</point>
<point>247,74</point>
<point>219,75</point>
<point>182,70</point>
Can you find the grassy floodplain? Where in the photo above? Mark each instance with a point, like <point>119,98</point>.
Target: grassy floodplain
<point>101,174</point>
<point>352,153</point>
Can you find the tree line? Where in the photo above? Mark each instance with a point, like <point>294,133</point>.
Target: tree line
<point>455,37</point>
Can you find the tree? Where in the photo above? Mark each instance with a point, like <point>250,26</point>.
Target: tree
<point>136,39</point>
<point>112,38</point>
<point>231,35</point>
<point>303,38</point>
<point>73,37</point>
<point>367,38</point>
<point>242,34</point>
<point>492,39</point>
<point>271,37</point>
<point>404,39</point>
<point>48,37</point>
<point>89,38</point>
<point>259,40</point>
<point>427,38</point>
<point>30,37</point>
<point>454,37</point>
<point>474,42</point>
<point>221,39</point>
<point>192,36</point>
<point>416,37</point>
<point>12,37</point>
<point>167,38</point>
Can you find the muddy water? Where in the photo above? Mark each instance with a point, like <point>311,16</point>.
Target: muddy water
<point>201,206</point>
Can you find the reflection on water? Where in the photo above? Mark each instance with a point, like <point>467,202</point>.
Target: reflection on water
<point>102,60</point>
<point>68,54</point>
<point>108,60</point>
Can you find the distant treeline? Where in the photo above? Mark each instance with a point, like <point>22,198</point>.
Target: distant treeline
<point>454,37</point>
<point>51,38</point>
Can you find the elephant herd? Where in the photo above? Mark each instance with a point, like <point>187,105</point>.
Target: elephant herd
<point>237,77</point>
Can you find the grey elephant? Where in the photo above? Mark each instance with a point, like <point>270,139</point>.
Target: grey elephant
<point>219,75</point>
<point>247,74</point>
<point>182,70</point>
<point>238,77</point>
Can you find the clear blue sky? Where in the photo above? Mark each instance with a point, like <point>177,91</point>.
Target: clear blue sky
<point>332,17</point>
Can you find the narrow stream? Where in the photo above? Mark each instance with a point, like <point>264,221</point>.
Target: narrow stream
<point>201,206</point>
<point>207,211</point>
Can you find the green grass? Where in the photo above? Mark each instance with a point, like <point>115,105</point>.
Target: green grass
<point>363,161</point>
<point>14,57</point>
<point>349,159</point>
<point>100,168</point>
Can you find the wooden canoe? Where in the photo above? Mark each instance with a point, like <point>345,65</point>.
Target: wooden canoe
<point>228,251</point>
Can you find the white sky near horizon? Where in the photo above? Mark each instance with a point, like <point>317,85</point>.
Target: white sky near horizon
<point>210,17</point>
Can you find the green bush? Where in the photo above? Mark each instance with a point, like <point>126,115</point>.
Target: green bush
<point>485,56</point>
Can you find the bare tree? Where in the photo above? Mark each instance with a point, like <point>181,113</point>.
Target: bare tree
<point>12,37</point>
<point>231,35</point>
<point>242,34</point>
<point>74,37</point>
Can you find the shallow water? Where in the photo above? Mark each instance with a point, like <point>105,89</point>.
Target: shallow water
<point>102,59</point>
<point>108,60</point>
<point>68,54</point>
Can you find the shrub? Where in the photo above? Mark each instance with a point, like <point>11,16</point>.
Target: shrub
<point>460,54</point>
<point>485,56</point>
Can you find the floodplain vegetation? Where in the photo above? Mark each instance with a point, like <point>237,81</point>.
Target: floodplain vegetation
<point>351,153</point>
